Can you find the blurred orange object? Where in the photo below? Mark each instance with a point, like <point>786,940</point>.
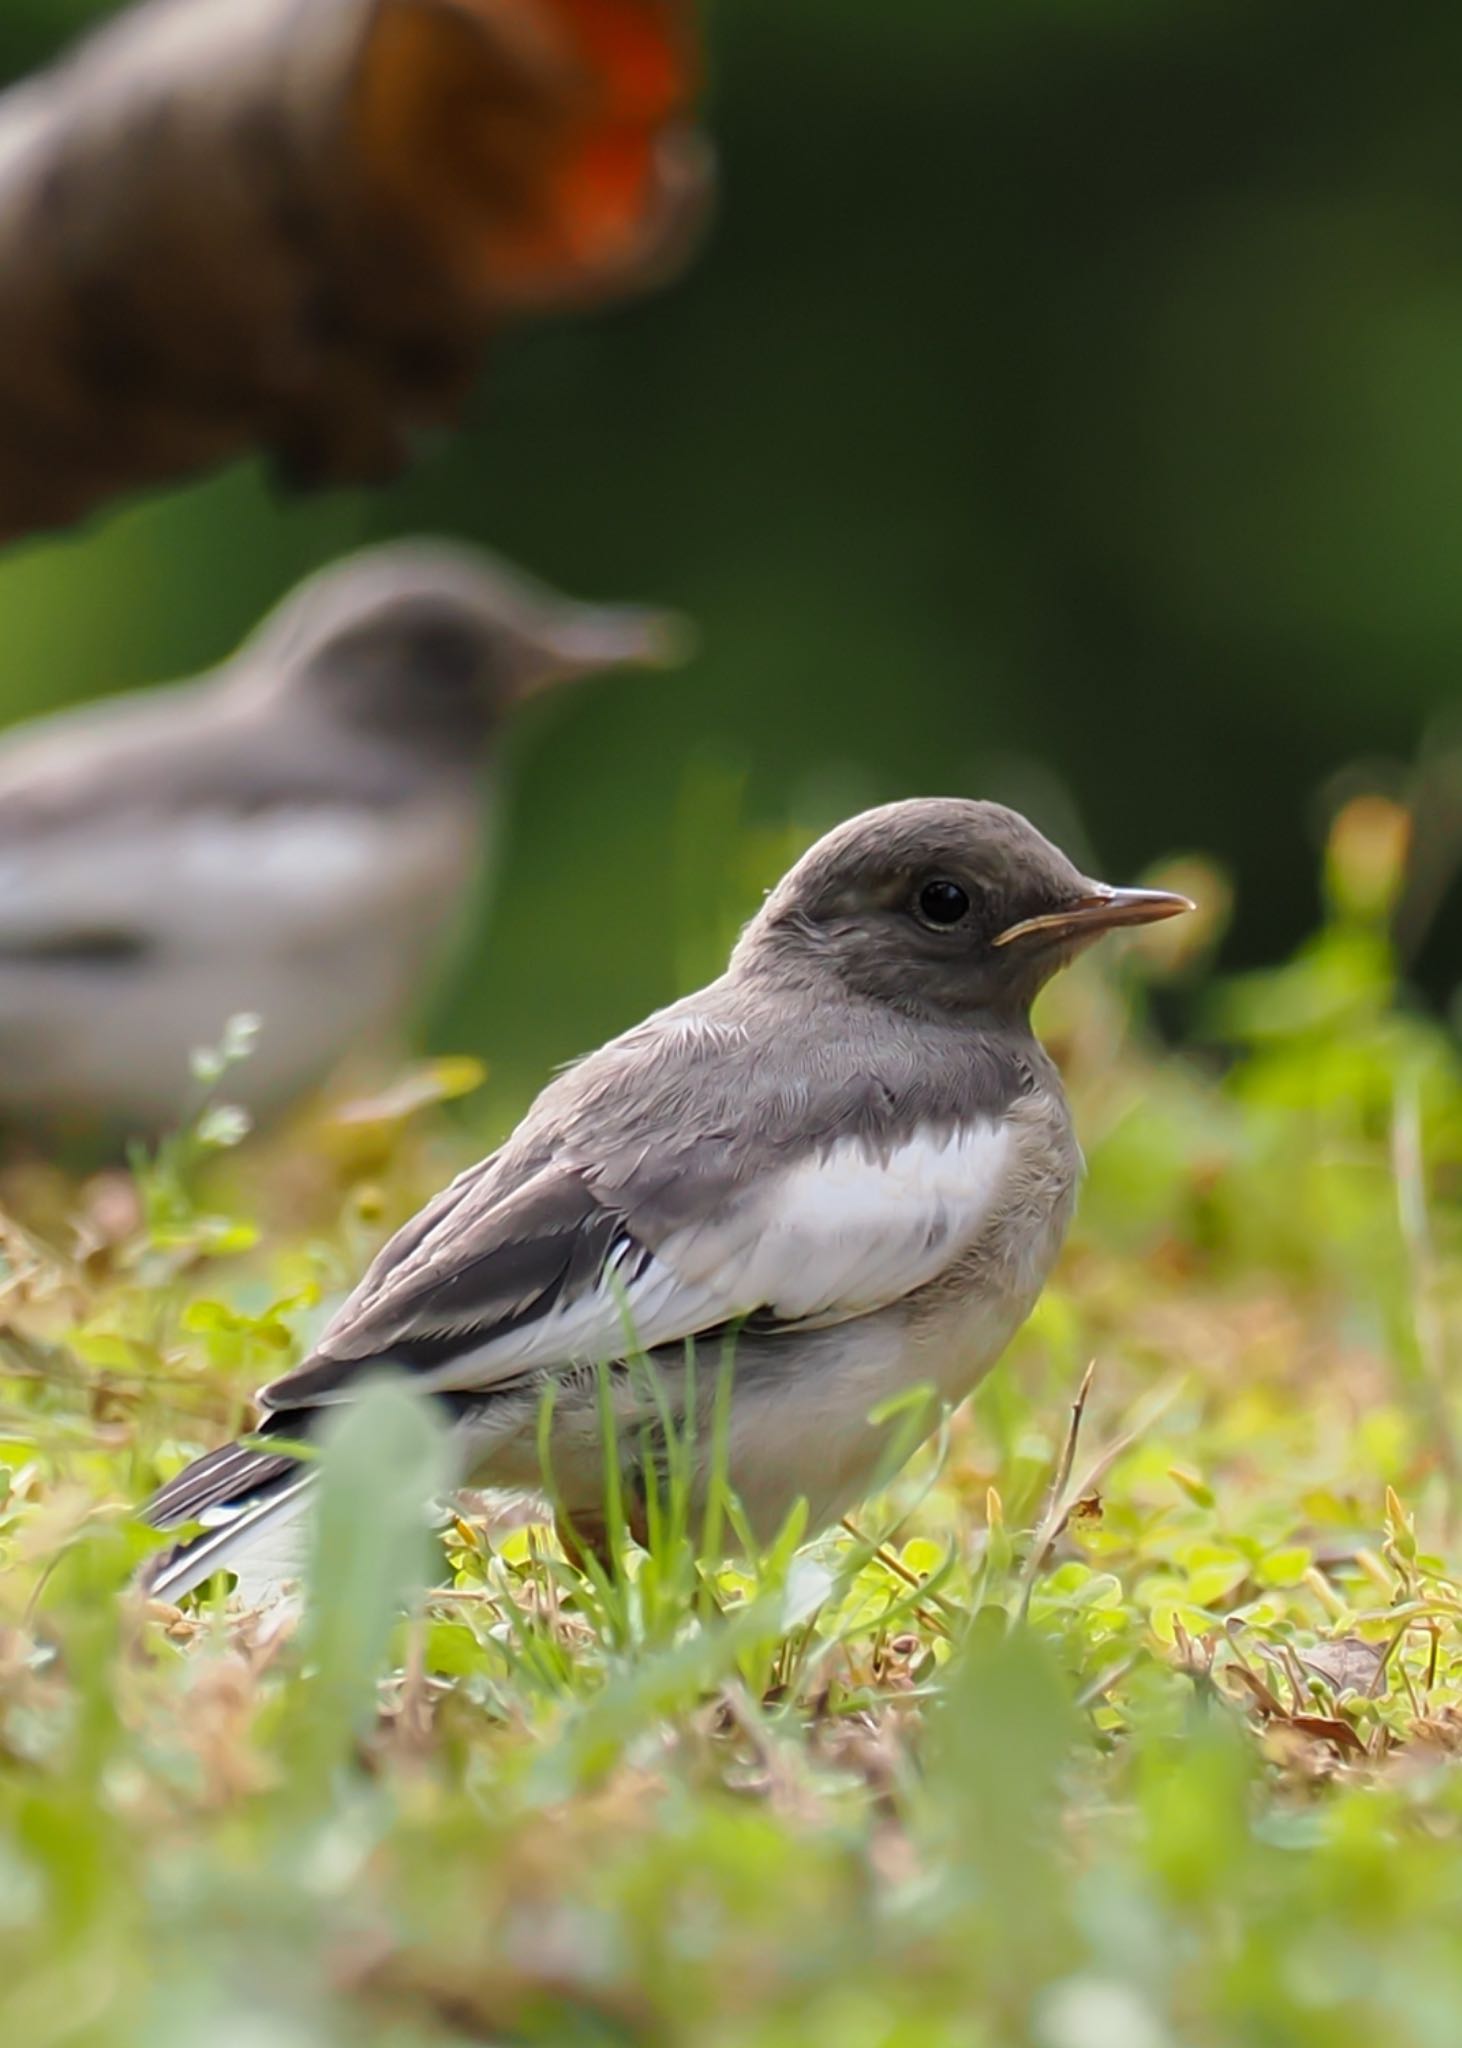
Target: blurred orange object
<point>264,224</point>
<point>547,143</point>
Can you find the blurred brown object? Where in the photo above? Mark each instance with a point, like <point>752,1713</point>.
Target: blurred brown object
<point>293,224</point>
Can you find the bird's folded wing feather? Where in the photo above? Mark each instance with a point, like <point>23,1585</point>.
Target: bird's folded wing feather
<point>495,1283</point>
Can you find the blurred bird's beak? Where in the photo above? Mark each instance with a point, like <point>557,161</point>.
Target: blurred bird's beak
<point>1100,910</point>
<point>599,637</point>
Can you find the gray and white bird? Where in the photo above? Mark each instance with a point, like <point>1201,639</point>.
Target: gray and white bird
<point>293,835</point>
<point>848,1159</point>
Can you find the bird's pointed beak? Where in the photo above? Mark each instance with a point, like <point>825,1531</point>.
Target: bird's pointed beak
<point>595,637</point>
<point>1099,909</point>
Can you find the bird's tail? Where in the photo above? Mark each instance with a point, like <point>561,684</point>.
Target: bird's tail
<point>243,1494</point>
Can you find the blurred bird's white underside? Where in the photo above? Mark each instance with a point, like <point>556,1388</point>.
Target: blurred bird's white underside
<point>323,921</point>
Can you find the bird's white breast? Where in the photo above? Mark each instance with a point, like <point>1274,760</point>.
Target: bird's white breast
<point>1007,1193</point>
<point>853,1228</point>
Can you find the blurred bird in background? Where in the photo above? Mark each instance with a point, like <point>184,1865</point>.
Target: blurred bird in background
<point>292,835</point>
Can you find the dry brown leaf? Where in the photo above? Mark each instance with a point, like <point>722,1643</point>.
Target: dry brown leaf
<point>1347,1665</point>
<point>1329,1728</point>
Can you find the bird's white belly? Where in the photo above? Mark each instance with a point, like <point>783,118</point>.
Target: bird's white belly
<point>815,1436</point>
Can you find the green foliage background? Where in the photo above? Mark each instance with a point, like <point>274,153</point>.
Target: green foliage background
<point>1066,407</point>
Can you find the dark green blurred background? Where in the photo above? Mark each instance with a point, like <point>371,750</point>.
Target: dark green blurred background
<point>1068,407</point>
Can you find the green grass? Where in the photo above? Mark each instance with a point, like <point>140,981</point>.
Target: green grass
<point>1140,1733</point>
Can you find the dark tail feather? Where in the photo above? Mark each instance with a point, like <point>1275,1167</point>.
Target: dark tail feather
<point>172,1573</point>
<point>240,1490</point>
<point>214,1481</point>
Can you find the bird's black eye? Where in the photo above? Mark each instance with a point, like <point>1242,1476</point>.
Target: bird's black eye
<point>943,904</point>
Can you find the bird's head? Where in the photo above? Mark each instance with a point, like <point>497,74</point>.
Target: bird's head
<point>434,644</point>
<point>941,905</point>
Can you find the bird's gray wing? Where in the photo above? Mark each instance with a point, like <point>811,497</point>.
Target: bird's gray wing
<point>487,1285</point>
<point>517,1272</point>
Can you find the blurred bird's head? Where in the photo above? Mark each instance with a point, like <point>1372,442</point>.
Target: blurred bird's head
<point>435,644</point>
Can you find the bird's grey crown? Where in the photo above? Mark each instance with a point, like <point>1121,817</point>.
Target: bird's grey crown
<point>846,911</point>
<point>876,857</point>
<point>423,641</point>
<point>377,584</point>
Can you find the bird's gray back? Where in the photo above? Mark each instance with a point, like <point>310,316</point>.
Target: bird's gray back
<point>210,746</point>
<point>741,1078</point>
